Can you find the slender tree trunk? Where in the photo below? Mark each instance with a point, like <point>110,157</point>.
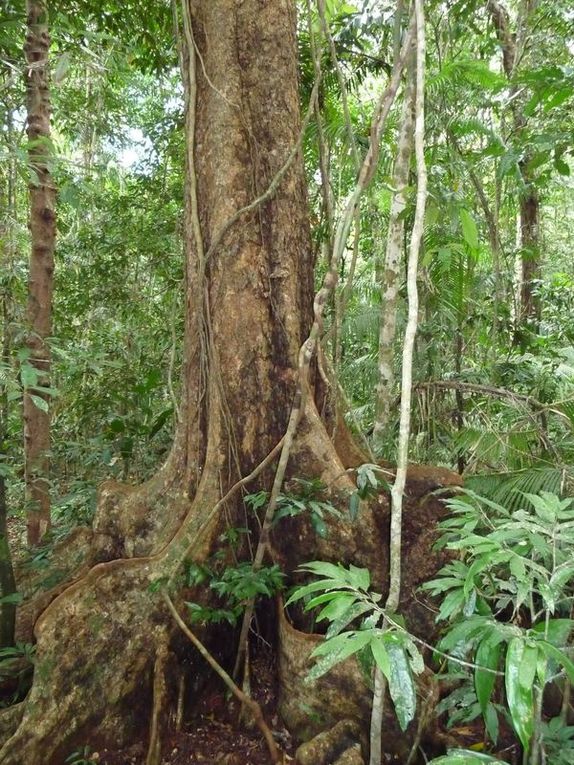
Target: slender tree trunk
<point>391,275</point>
<point>40,284</point>
<point>417,108</point>
<point>512,44</point>
<point>530,255</point>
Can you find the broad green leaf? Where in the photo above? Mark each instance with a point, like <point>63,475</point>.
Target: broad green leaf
<point>401,684</point>
<point>469,229</point>
<point>562,166</point>
<point>380,655</point>
<point>323,568</point>
<point>40,403</point>
<point>451,604</point>
<point>354,505</point>
<point>308,589</point>
<point>359,577</point>
<point>487,656</point>
<point>14,597</point>
<point>465,631</point>
<point>344,596</point>
<point>335,612</point>
<point>351,613</point>
<point>491,722</point>
<point>344,641</point>
<point>416,661</point>
<point>28,375</point>
<point>336,650</point>
<point>520,666</point>
<point>61,68</point>
<point>560,657</point>
<point>556,631</point>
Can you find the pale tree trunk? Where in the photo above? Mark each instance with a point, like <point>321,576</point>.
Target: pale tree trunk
<point>391,275</point>
<point>40,282</point>
<point>398,488</point>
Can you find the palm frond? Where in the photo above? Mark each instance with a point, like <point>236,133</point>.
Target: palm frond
<point>508,489</point>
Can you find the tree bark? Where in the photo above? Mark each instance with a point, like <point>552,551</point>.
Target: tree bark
<point>42,223</point>
<point>392,270</point>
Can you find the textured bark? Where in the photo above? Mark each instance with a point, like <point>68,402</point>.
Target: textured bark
<point>248,310</point>
<point>40,281</point>
<point>392,269</point>
<point>530,256</point>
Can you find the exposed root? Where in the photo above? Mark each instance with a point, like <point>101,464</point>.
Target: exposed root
<point>180,702</point>
<point>159,700</point>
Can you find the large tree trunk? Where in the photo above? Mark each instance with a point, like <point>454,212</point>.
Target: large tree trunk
<point>249,308</point>
<point>40,282</point>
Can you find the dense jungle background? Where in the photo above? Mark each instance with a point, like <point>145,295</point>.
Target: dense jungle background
<point>286,381</point>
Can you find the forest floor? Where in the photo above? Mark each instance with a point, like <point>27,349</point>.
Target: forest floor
<point>213,735</point>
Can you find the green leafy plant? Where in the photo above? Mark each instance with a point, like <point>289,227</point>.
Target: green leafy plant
<point>558,741</point>
<point>306,498</point>
<point>236,587</point>
<point>81,756</point>
<point>344,596</point>
<point>503,598</point>
<point>369,483</point>
<point>16,664</point>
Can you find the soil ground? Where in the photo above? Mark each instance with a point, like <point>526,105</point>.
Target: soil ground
<point>213,736</point>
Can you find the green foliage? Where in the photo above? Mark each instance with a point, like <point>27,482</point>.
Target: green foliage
<point>369,483</point>
<point>16,663</point>
<point>305,499</point>
<point>81,756</point>
<point>558,740</point>
<point>343,597</point>
<point>514,566</point>
<point>236,586</point>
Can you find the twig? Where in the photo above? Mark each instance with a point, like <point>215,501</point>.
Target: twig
<point>491,390</point>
